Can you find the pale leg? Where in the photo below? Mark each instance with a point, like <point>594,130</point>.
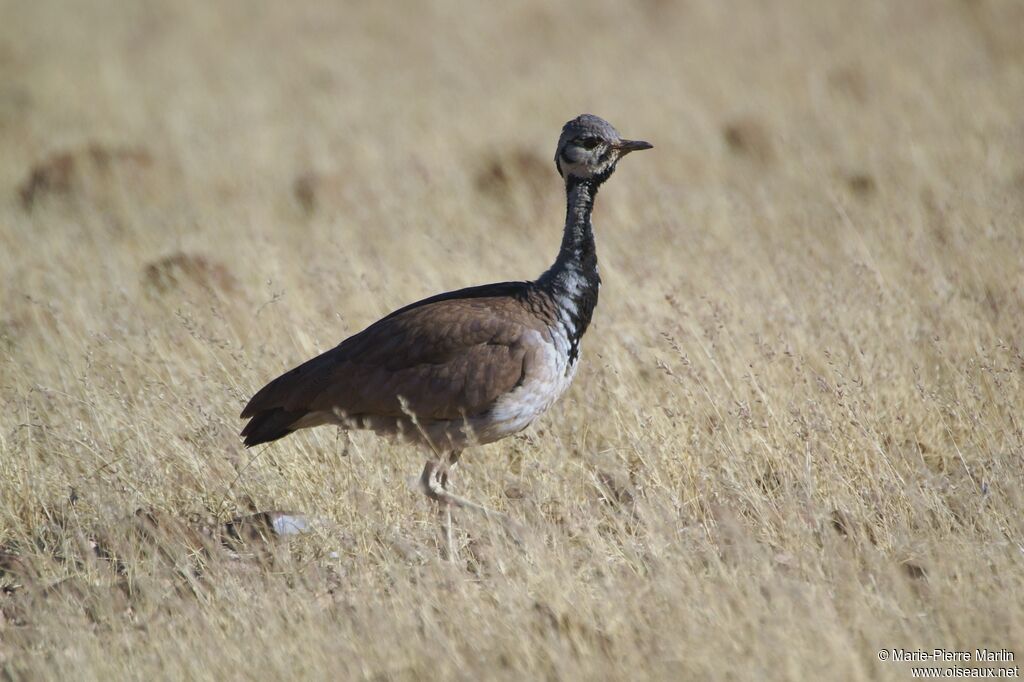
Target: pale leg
<point>434,482</point>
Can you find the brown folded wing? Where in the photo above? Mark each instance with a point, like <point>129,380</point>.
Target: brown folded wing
<point>446,359</point>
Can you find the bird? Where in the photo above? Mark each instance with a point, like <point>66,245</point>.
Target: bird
<point>467,367</point>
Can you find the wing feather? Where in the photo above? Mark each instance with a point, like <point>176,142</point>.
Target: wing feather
<point>446,357</point>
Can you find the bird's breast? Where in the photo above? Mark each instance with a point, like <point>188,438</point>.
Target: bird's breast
<point>548,372</point>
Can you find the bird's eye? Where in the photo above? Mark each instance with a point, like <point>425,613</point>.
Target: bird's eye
<point>589,142</point>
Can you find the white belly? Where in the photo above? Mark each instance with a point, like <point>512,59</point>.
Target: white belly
<point>548,375</point>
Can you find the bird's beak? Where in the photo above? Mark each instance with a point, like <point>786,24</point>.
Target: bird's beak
<point>627,146</point>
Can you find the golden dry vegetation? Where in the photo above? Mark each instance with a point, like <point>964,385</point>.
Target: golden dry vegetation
<point>795,437</point>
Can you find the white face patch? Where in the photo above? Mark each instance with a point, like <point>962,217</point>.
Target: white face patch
<point>587,167</point>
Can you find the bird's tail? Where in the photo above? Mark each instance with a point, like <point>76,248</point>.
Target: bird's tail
<point>269,425</point>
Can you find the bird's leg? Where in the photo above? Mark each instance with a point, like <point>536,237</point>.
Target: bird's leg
<point>446,519</point>
<point>446,529</point>
<point>434,483</point>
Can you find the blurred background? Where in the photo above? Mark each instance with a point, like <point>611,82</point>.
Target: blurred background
<point>260,125</point>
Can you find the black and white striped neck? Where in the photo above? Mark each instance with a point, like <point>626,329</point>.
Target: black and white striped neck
<point>573,281</point>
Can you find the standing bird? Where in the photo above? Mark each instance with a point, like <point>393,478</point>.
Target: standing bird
<point>466,367</point>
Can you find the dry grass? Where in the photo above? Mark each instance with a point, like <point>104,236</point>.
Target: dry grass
<point>796,434</point>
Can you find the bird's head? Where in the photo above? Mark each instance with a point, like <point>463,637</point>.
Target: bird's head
<point>590,147</point>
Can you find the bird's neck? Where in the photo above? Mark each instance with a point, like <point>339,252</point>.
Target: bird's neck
<point>573,281</point>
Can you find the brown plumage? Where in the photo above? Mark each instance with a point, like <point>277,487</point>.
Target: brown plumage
<point>467,367</point>
<point>443,361</point>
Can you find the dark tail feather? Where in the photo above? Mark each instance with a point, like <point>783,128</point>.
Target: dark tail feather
<point>269,425</point>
